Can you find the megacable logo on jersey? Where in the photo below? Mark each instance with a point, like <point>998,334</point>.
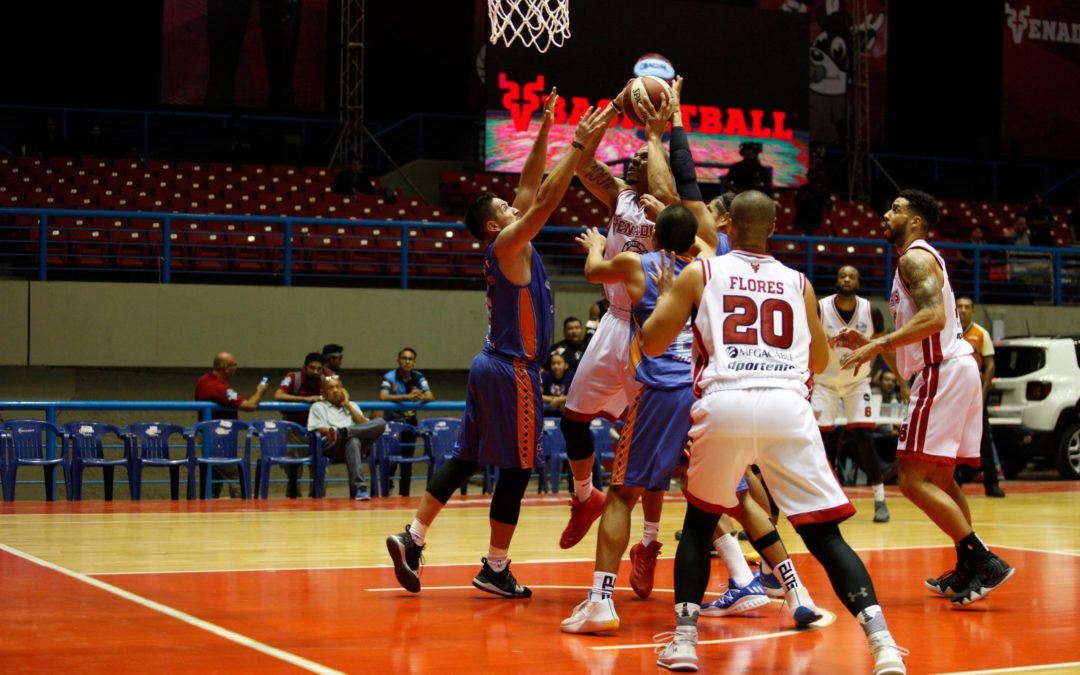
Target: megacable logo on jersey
<point>1022,24</point>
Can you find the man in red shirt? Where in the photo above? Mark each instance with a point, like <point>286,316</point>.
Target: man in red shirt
<point>214,386</point>
<point>300,386</point>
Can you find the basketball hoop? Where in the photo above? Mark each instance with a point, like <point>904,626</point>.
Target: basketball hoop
<point>536,23</point>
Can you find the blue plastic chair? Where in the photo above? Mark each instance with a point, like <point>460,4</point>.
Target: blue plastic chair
<point>220,445</point>
<point>442,435</point>
<point>27,444</point>
<point>87,443</point>
<point>274,451</point>
<point>555,455</point>
<point>388,449</point>
<point>152,448</point>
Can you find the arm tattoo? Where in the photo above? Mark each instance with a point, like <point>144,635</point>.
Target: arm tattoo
<point>918,271</point>
<point>600,174</point>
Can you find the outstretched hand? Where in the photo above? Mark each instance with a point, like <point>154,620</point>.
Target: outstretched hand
<point>549,107</point>
<point>656,121</point>
<point>864,354</point>
<point>591,238</point>
<point>590,128</point>
<point>663,275</point>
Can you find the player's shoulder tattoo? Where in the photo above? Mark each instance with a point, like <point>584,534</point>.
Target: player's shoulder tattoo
<point>917,269</point>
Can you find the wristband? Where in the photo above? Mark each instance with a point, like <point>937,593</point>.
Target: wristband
<point>577,146</point>
<point>616,106</point>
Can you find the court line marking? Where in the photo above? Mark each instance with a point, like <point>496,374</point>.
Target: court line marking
<point>1015,669</point>
<point>214,629</point>
<point>1068,552</point>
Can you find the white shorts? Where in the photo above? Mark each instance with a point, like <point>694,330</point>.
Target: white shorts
<point>944,418</point>
<point>603,384</point>
<point>858,405</point>
<point>775,429</point>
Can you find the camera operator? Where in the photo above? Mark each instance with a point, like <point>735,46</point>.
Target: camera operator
<point>749,173</point>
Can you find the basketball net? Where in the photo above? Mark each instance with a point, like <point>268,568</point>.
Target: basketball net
<point>536,23</point>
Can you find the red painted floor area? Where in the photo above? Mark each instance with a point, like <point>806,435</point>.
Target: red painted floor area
<point>339,619</point>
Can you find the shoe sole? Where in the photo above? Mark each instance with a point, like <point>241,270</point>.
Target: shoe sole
<point>891,669</point>
<point>495,590</point>
<point>741,605</point>
<point>982,592</point>
<point>680,666</point>
<point>587,626</point>
<point>405,576</point>
<point>946,592</point>
<point>881,520</point>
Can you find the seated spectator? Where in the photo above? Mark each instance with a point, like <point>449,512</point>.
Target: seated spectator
<point>300,386</point>
<point>214,386</point>
<point>332,355</point>
<point>555,383</point>
<point>354,180</point>
<point>405,384</point>
<point>597,310</point>
<point>1018,234</point>
<point>347,434</point>
<point>887,384</point>
<point>1040,221</point>
<point>572,346</point>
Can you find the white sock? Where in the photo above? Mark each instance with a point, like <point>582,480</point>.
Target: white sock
<point>727,545</point>
<point>497,558</point>
<point>651,533</point>
<point>418,531</point>
<point>872,620</point>
<point>583,488</point>
<point>879,492</point>
<point>785,571</point>
<point>603,584</point>
<point>686,614</point>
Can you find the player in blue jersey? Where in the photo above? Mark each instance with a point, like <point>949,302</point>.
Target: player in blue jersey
<point>503,407</point>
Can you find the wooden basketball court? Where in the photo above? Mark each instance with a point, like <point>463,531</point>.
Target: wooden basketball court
<point>293,585</point>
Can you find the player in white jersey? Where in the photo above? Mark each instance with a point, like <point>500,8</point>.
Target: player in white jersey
<point>757,339</point>
<point>847,310</point>
<point>944,419</point>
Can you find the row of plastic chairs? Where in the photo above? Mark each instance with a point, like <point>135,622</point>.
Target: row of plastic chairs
<point>77,446</point>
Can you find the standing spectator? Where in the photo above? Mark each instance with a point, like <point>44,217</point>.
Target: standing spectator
<point>749,173</point>
<point>811,200</point>
<point>409,385</point>
<point>347,434</point>
<point>354,180</point>
<point>214,386</point>
<point>300,386</point>
<point>1074,222</point>
<point>332,355</point>
<point>554,383</point>
<point>1019,233</point>
<point>1040,221</point>
<point>980,341</point>
<point>572,346</point>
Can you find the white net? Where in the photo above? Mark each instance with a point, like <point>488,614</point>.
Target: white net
<point>536,23</point>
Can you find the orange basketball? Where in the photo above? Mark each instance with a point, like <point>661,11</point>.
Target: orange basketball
<point>646,85</point>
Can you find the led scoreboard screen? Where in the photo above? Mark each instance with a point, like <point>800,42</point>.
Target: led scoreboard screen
<point>745,77</point>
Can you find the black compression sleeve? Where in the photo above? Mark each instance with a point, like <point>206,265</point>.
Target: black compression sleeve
<point>682,166</point>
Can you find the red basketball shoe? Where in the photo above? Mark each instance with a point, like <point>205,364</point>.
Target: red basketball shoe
<point>642,566</point>
<point>582,516</point>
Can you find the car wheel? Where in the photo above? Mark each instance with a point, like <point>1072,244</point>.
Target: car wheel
<point>1068,454</point>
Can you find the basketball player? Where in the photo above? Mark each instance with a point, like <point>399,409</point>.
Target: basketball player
<point>503,407</point>
<point>755,333</point>
<point>944,418</point>
<point>845,309</point>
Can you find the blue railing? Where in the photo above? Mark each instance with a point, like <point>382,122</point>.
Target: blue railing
<point>291,249</point>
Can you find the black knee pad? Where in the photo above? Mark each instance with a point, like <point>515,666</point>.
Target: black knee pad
<point>506,501</point>
<point>450,477</point>
<point>765,542</point>
<point>578,438</point>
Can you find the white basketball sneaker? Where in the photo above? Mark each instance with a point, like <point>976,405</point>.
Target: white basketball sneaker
<point>681,653</point>
<point>592,616</point>
<point>888,658</point>
<point>803,611</point>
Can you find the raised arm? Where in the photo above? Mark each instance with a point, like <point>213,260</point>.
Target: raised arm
<point>661,182</point>
<point>514,239</point>
<point>623,268</point>
<point>533,171</point>
<point>596,176</point>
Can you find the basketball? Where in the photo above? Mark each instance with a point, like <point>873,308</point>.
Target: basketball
<point>646,85</point>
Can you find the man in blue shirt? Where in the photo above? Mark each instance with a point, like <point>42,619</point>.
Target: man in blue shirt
<point>408,385</point>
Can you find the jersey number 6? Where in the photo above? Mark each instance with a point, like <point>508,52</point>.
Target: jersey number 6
<point>740,327</point>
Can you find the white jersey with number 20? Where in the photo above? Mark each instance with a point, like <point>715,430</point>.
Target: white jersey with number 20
<point>750,329</point>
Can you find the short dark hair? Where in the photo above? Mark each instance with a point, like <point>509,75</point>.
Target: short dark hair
<point>478,213</point>
<point>329,349</point>
<point>568,320</point>
<point>676,227</point>
<point>923,204</point>
<point>406,349</point>
<point>312,357</point>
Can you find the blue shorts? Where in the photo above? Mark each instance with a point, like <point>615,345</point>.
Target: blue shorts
<point>504,414</point>
<point>653,439</point>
